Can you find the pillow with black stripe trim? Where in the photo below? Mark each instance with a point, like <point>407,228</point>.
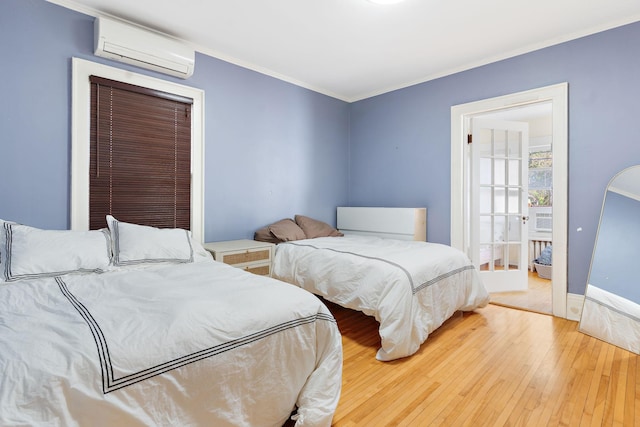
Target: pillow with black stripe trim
<point>3,250</point>
<point>134,244</point>
<point>29,252</point>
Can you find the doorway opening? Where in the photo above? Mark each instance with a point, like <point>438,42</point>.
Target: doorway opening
<point>545,110</point>
<point>534,293</point>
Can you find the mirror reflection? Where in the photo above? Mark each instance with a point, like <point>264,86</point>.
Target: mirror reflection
<point>611,310</point>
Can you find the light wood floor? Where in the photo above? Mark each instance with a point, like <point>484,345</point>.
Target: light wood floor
<point>536,298</point>
<point>494,367</point>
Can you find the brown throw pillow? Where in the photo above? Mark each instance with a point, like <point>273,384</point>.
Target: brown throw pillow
<point>313,228</point>
<point>287,230</point>
<point>264,235</point>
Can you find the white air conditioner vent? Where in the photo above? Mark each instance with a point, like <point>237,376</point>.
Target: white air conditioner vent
<point>544,221</point>
<point>143,48</point>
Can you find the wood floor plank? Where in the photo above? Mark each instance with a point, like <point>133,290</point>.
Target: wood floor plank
<point>567,367</point>
<point>497,366</point>
<point>620,387</point>
<point>609,405</point>
<point>501,392</point>
<point>586,364</point>
<point>603,386</point>
<point>547,381</point>
<point>599,354</point>
<point>546,375</point>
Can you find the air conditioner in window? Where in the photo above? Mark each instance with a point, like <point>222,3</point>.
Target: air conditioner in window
<point>542,219</point>
<point>143,48</point>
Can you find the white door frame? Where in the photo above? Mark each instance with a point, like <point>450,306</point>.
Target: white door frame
<point>558,96</point>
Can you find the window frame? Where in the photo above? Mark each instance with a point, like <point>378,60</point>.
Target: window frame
<point>80,137</point>
<point>541,149</point>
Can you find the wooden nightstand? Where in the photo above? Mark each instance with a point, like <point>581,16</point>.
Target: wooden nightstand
<point>250,255</point>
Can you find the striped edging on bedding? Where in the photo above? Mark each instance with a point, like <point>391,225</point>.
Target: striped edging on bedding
<point>414,289</point>
<point>110,383</point>
<point>442,277</point>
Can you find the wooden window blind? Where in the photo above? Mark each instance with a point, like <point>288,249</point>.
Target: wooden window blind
<point>140,156</point>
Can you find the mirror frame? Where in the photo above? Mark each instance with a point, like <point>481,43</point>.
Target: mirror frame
<point>606,315</point>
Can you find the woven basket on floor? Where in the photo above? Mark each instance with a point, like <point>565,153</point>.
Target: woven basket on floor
<point>544,271</point>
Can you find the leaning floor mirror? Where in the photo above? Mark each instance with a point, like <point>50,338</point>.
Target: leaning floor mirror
<point>611,310</point>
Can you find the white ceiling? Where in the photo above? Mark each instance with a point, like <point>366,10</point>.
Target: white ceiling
<point>354,49</point>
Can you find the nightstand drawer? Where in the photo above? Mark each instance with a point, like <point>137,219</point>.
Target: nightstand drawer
<point>249,255</point>
<point>262,270</point>
<point>246,256</point>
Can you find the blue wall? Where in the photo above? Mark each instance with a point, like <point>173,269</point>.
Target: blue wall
<point>400,141</point>
<point>272,149</point>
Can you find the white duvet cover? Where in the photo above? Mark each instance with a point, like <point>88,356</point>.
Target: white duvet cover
<point>200,344</point>
<point>410,287</point>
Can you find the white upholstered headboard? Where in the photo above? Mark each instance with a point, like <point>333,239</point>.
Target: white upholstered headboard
<point>393,223</point>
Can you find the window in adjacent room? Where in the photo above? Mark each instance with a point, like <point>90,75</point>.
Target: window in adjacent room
<point>540,178</point>
<point>541,190</point>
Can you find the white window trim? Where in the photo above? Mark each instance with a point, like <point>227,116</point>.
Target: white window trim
<point>80,136</point>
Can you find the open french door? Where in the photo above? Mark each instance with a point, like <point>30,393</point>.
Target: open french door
<point>498,205</point>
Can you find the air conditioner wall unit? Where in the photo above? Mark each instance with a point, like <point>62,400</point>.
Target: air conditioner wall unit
<point>143,48</point>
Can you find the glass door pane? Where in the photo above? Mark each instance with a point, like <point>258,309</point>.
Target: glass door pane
<point>498,193</point>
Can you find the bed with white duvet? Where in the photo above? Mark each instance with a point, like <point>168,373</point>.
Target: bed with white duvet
<point>140,327</point>
<point>410,287</point>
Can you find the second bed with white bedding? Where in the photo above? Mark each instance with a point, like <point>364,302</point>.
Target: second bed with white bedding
<point>410,287</point>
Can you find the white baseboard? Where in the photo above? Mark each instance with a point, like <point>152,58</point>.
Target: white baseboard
<point>574,306</point>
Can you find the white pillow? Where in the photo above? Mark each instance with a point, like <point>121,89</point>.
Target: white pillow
<point>141,244</point>
<point>29,252</point>
<point>200,254</point>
